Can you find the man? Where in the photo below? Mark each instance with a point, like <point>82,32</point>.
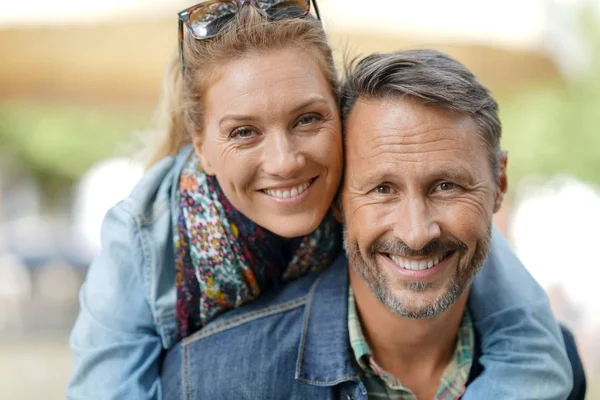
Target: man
<point>424,175</point>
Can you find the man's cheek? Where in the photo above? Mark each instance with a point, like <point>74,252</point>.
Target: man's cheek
<point>479,206</point>
<point>462,218</point>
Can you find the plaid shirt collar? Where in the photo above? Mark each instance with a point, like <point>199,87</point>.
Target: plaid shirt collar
<point>381,384</point>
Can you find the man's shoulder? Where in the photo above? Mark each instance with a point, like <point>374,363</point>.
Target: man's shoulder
<point>242,356</point>
<point>284,303</point>
<point>259,346</point>
<point>272,305</point>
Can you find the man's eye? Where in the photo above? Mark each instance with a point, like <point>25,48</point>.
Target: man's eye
<point>383,189</point>
<point>242,133</point>
<point>445,186</point>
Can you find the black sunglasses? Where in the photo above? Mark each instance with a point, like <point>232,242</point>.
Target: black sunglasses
<point>207,19</point>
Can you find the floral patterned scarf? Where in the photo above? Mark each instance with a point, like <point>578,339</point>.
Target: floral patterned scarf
<point>223,259</point>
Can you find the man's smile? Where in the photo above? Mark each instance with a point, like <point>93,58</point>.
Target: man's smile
<point>418,264</point>
<point>417,268</point>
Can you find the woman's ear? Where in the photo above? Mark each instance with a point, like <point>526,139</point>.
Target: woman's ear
<point>205,162</point>
<point>337,209</point>
<point>502,182</point>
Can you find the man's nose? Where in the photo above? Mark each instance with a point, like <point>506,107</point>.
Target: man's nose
<point>415,223</point>
<point>282,156</point>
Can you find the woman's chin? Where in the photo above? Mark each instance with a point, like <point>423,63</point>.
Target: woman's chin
<point>292,226</point>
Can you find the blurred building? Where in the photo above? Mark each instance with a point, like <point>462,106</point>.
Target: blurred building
<point>117,50</point>
<point>554,231</point>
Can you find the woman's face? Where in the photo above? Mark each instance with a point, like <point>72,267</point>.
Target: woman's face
<point>273,139</point>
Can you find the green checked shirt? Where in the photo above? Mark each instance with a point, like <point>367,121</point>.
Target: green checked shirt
<point>382,385</point>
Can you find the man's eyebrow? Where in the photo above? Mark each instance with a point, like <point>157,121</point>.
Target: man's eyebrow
<point>370,178</point>
<point>454,172</point>
<point>380,175</point>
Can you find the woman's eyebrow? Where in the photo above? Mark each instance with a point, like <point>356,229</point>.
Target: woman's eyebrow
<point>237,118</point>
<point>312,101</point>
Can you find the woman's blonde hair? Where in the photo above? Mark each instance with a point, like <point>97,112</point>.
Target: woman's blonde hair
<point>181,111</point>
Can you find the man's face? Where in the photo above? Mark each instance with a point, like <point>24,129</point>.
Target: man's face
<point>418,199</point>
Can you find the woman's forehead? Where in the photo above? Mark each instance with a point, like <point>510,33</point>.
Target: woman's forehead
<point>285,77</point>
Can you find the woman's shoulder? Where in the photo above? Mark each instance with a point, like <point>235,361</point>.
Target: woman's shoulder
<point>137,244</point>
<point>153,193</point>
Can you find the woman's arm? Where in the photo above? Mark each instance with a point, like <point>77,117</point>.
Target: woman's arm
<point>523,352</point>
<point>115,344</point>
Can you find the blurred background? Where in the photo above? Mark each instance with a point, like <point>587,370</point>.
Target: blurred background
<point>80,81</point>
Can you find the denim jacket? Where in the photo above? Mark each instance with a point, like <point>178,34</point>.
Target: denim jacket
<point>293,344</point>
<point>127,316</point>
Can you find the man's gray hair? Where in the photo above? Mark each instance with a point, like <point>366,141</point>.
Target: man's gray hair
<point>433,78</point>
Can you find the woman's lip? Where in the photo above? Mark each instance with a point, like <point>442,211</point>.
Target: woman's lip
<point>417,274</point>
<point>290,186</point>
<point>292,200</point>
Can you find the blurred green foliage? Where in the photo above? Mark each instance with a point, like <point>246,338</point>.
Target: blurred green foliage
<point>548,129</point>
<point>555,128</point>
<point>57,143</point>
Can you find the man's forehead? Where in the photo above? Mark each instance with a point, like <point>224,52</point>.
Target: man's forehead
<point>376,124</point>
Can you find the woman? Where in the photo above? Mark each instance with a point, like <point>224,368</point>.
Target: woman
<point>239,202</point>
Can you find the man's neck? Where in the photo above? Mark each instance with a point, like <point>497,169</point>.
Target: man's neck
<point>416,351</point>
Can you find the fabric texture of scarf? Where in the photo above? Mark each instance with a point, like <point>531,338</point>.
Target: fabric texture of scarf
<point>223,259</point>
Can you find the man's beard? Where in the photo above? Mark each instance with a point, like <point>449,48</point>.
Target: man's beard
<point>380,285</point>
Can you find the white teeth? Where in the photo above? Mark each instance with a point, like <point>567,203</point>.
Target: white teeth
<point>414,264</point>
<point>286,194</point>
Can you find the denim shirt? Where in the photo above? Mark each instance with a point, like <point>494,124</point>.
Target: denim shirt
<point>127,316</point>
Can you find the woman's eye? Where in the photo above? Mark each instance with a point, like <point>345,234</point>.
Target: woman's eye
<point>242,133</point>
<point>383,189</point>
<point>445,186</point>
<point>308,119</point>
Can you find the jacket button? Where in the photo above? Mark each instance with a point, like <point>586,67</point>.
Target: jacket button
<point>348,397</point>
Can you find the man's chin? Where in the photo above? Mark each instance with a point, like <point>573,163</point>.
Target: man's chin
<point>417,299</point>
<point>410,304</point>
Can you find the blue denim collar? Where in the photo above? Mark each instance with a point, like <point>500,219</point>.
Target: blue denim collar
<point>180,159</point>
<point>324,355</point>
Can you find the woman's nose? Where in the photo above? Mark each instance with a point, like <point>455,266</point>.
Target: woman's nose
<point>282,156</point>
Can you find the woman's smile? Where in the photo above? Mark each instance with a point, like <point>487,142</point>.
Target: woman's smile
<point>290,194</point>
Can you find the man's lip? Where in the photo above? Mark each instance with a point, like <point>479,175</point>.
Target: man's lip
<point>419,274</point>
<point>440,256</point>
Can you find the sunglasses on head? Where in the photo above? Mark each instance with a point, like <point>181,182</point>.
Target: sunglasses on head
<point>208,19</point>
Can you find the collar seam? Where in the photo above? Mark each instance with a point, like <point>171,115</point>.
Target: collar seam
<point>329,383</point>
<point>307,311</point>
<point>234,322</point>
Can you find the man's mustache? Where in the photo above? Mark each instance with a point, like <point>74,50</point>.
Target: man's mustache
<point>434,247</point>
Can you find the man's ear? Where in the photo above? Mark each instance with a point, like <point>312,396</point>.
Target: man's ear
<point>205,162</point>
<point>502,182</point>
